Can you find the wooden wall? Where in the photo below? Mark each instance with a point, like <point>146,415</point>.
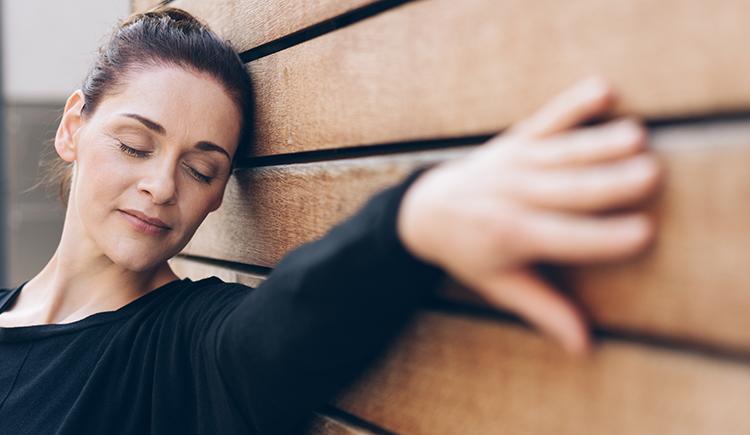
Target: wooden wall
<point>376,88</point>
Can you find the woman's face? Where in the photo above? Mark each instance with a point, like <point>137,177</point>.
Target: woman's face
<point>159,148</point>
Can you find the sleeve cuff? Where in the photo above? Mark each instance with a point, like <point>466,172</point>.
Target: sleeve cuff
<point>403,261</point>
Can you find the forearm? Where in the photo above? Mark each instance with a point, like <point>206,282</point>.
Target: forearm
<point>327,309</point>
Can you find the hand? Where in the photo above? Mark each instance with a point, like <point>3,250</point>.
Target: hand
<point>533,194</point>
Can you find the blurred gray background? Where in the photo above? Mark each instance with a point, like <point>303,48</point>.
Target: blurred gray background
<point>47,46</point>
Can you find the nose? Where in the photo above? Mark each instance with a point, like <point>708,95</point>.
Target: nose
<point>159,183</point>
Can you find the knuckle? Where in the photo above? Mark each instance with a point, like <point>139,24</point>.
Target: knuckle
<point>639,234</point>
<point>639,139</point>
<point>632,133</point>
<point>648,175</point>
<point>644,236</point>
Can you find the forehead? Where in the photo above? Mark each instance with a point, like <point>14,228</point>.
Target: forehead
<point>191,106</point>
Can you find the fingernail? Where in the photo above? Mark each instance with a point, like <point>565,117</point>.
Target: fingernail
<point>639,229</point>
<point>629,127</point>
<point>638,224</point>
<point>640,164</point>
<point>626,124</point>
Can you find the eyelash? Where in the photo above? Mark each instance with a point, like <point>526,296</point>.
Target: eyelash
<point>141,154</point>
<point>131,151</point>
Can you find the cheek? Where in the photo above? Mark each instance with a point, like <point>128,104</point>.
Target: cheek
<point>102,176</point>
<point>196,207</point>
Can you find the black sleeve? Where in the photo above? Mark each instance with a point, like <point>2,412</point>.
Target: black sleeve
<point>327,310</point>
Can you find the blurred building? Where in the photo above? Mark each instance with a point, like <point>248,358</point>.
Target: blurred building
<point>47,46</point>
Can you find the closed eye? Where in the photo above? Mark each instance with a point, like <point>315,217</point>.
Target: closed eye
<point>132,151</point>
<point>200,177</point>
<point>142,154</point>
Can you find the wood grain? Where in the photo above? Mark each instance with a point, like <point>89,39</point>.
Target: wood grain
<point>690,286</point>
<point>452,374</point>
<point>694,282</point>
<point>250,23</point>
<point>270,210</point>
<point>444,68</point>
<point>189,268</point>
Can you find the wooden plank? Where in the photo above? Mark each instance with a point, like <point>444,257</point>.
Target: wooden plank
<point>690,286</point>
<point>196,270</point>
<point>452,374</point>
<point>444,68</point>
<point>270,210</point>
<point>696,274</point>
<point>250,23</point>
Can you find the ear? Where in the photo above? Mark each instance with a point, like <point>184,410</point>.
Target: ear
<point>71,122</point>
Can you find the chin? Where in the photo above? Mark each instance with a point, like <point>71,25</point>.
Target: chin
<point>136,263</point>
<point>136,257</point>
<point>139,254</point>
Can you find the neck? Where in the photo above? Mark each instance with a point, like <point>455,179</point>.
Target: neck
<point>80,280</point>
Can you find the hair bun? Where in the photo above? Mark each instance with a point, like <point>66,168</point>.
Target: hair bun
<point>164,13</point>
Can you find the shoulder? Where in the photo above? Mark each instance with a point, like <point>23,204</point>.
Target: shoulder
<point>198,304</point>
<point>209,292</point>
<point>188,301</point>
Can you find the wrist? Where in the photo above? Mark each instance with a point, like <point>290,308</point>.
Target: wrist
<point>412,222</point>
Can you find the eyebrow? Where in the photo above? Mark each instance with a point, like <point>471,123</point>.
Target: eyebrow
<point>155,126</point>
<point>210,146</point>
<point>158,128</point>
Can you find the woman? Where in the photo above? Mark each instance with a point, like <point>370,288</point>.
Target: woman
<point>107,339</point>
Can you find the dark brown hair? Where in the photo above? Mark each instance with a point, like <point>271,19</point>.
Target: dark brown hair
<point>162,37</point>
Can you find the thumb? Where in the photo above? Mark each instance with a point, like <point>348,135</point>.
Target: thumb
<point>526,294</point>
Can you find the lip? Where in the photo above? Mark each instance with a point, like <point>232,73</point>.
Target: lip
<point>144,223</point>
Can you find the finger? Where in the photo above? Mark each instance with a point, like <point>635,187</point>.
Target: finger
<point>571,107</point>
<point>527,295</point>
<point>573,238</point>
<point>605,142</point>
<point>592,188</point>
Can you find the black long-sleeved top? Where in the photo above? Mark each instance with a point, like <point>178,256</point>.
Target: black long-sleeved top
<point>212,357</point>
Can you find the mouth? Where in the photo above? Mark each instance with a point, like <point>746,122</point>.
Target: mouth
<point>144,224</point>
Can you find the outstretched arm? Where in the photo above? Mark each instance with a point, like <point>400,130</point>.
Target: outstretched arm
<point>535,193</point>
